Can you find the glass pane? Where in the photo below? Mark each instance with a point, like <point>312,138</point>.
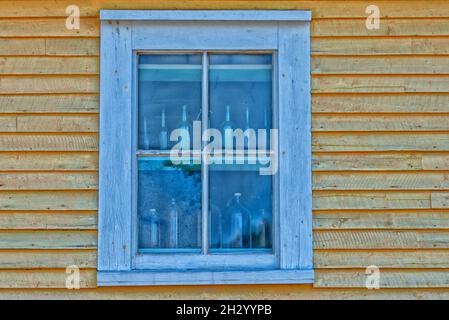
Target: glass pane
<point>169,97</point>
<point>240,198</point>
<point>240,95</point>
<point>240,209</point>
<point>169,205</point>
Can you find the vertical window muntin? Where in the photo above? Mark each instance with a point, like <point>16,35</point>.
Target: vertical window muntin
<point>205,169</point>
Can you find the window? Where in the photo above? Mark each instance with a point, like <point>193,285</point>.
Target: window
<point>205,148</point>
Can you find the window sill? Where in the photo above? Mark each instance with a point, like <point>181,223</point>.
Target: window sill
<point>149,278</point>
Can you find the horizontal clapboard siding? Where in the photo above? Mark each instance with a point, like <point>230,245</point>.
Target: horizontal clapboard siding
<point>380,103</point>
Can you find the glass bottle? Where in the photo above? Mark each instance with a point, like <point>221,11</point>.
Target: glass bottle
<point>146,136</point>
<point>239,228</point>
<point>260,229</point>
<point>190,225</point>
<point>163,135</point>
<point>215,226</point>
<point>227,128</point>
<point>149,229</point>
<point>172,216</point>
<point>185,130</point>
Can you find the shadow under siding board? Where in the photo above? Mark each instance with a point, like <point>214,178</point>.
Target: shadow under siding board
<point>57,220</point>
<point>67,200</point>
<point>375,200</point>
<point>380,103</point>
<point>388,259</point>
<point>49,181</point>
<point>380,239</point>
<point>380,46</point>
<point>49,142</point>
<point>48,161</point>
<point>49,65</point>
<point>391,141</point>
<point>48,239</point>
<point>381,219</point>
<point>62,103</point>
<point>47,259</point>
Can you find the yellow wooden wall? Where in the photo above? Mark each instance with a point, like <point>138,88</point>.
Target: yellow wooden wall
<point>380,141</point>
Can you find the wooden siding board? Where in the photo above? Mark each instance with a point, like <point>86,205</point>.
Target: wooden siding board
<point>48,240</point>
<point>47,259</point>
<point>58,220</point>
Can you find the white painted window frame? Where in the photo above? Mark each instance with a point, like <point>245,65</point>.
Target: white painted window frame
<point>126,32</point>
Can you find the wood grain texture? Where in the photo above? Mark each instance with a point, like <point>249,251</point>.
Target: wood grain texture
<point>380,141</point>
<point>48,240</point>
<point>388,27</point>
<point>52,66</point>
<point>381,65</point>
<point>72,46</point>
<point>381,239</point>
<point>47,142</point>
<point>42,84</point>
<point>48,200</point>
<point>49,103</point>
<point>333,200</point>
<point>381,103</point>
<point>38,27</point>
<point>48,161</point>
<point>57,123</point>
<point>47,259</point>
<point>44,279</point>
<point>49,181</point>
<point>380,122</point>
<point>388,279</point>
<point>402,259</point>
<point>22,47</point>
<point>440,200</point>
<point>388,220</point>
<point>376,162</point>
<point>380,46</point>
<point>379,84</point>
<point>381,181</point>
<point>59,220</point>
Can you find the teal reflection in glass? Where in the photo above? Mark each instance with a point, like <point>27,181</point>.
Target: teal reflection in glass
<point>169,205</point>
<point>169,90</point>
<point>240,94</point>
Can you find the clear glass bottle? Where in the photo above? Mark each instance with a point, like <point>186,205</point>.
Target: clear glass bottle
<point>149,228</point>
<point>227,128</point>
<point>260,229</point>
<point>163,135</point>
<point>190,224</point>
<point>172,217</point>
<point>215,227</point>
<point>239,227</point>
<point>185,127</point>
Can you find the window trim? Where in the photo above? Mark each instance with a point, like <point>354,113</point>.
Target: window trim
<point>125,31</point>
